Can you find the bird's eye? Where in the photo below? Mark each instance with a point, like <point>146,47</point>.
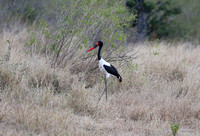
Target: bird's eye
<point>97,43</point>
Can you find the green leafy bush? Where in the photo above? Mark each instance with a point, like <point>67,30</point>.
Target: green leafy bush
<point>79,24</point>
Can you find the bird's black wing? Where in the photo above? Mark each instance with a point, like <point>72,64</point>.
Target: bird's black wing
<point>111,69</point>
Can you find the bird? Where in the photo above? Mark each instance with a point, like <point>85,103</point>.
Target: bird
<point>106,68</point>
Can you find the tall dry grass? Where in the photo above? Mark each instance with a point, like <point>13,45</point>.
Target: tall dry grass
<point>160,86</point>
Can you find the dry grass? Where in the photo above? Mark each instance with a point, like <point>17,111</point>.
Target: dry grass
<point>160,86</point>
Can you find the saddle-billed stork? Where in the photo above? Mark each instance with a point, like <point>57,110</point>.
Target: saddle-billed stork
<point>105,67</point>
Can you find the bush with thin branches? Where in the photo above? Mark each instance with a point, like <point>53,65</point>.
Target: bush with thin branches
<point>78,24</point>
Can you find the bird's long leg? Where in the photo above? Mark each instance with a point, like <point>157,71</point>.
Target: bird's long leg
<point>101,95</point>
<point>106,87</point>
<point>105,90</point>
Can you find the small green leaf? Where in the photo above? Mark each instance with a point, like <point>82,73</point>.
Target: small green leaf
<point>120,38</point>
<point>112,45</point>
<point>53,47</point>
<point>155,53</point>
<point>136,66</point>
<point>8,41</point>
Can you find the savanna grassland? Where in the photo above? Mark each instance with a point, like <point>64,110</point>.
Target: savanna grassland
<point>160,86</point>
<point>50,85</point>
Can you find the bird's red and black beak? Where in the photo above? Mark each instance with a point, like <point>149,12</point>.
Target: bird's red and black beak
<point>94,46</point>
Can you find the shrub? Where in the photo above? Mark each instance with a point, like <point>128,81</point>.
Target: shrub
<point>174,128</point>
<point>79,23</point>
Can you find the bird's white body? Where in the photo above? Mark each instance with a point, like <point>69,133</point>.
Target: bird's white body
<point>101,67</point>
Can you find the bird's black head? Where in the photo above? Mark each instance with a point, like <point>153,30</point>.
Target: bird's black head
<point>99,43</point>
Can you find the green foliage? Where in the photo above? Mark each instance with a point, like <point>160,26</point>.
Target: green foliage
<point>160,21</point>
<point>174,128</point>
<point>30,14</point>
<point>79,23</point>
